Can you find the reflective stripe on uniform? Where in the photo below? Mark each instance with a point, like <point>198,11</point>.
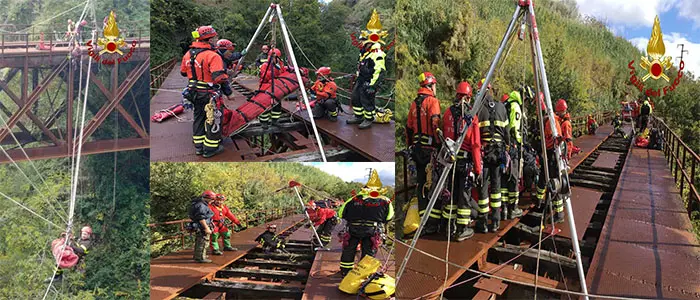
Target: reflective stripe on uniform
<point>495,196</point>
<point>198,139</point>
<point>210,143</point>
<point>464,211</point>
<point>435,213</point>
<point>463,221</point>
<point>497,123</point>
<point>483,201</point>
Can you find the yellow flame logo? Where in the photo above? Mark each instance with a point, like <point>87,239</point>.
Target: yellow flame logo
<point>111,43</point>
<point>656,62</point>
<point>374,32</point>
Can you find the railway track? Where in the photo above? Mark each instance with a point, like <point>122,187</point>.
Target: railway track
<point>260,275</point>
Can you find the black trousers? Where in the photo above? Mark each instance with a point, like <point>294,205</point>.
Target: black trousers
<point>206,137</point>
<point>324,231</point>
<point>542,195</point>
<point>492,180</point>
<point>463,207</point>
<point>273,114</point>
<point>363,104</point>
<point>421,155</point>
<point>358,234</point>
<point>643,121</point>
<point>326,107</point>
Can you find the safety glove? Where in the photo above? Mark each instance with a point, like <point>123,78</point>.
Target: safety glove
<point>186,103</point>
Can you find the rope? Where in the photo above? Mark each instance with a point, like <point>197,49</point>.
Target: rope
<point>56,16</point>
<point>28,209</point>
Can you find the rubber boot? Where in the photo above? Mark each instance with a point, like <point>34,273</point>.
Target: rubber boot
<point>494,226</point>
<point>481,224</point>
<point>356,120</point>
<point>198,151</point>
<point>430,228</point>
<point>215,152</point>
<point>217,252</point>
<point>366,123</point>
<point>463,233</point>
<point>450,227</point>
<point>514,211</point>
<point>333,118</point>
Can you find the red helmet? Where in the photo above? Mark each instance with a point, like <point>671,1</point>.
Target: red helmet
<point>561,106</point>
<point>83,23</point>
<point>426,78</point>
<point>225,44</point>
<point>504,98</point>
<point>209,194</point>
<point>324,71</point>
<point>311,205</point>
<point>87,229</point>
<point>464,88</point>
<point>265,47</point>
<point>272,227</point>
<point>481,83</point>
<point>220,197</point>
<point>204,32</point>
<point>276,52</point>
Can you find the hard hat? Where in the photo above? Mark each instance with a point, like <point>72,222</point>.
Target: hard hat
<point>526,93</point>
<point>87,229</point>
<point>70,21</point>
<point>324,71</point>
<point>381,287</point>
<point>426,78</point>
<point>83,23</point>
<point>481,83</point>
<point>504,98</point>
<point>209,194</point>
<point>311,204</point>
<point>515,96</point>
<point>464,88</point>
<point>220,197</point>
<point>225,44</point>
<point>204,32</point>
<point>276,52</point>
<point>590,116</point>
<point>561,106</point>
<point>271,227</point>
<point>265,47</point>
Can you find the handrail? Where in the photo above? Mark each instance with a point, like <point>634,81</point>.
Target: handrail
<point>160,73</point>
<point>671,147</point>
<point>243,216</point>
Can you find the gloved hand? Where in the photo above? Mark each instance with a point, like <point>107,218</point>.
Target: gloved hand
<point>478,179</point>
<point>244,52</point>
<point>371,90</point>
<point>187,104</point>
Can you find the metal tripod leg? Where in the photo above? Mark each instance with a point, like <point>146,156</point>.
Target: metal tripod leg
<point>318,239</point>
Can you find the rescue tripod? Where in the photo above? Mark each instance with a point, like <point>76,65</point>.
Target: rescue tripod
<point>276,11</point>
<point>558,184</point>
<point>308,218</point>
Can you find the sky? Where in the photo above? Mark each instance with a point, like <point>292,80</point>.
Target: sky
<point>633,20</point>
<point>357,171</point>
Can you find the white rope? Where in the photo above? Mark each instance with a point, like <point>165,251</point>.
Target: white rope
<point>28,209</point>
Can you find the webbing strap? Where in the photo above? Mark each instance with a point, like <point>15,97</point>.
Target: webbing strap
<point>419,104</point>
<point>243,115</point>
<point>257,103</point>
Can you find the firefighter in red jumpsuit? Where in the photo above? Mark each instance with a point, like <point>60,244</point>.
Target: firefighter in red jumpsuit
<point>566,129</point>
<point>422,127</point>
<point>274,67</point>
<point>324,90</point>
<point>455,121</point>
<point>207,78</point>
<point>550,143</point>
<point>221,213</point>
<point>325,217</point>
<point>592,125</point>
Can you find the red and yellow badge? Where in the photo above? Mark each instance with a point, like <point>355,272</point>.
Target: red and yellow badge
<point>373,34</point>
<point>111,44</point>
<point>655,63</point>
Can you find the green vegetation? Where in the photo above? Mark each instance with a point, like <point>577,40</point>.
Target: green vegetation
<point>249,191</point>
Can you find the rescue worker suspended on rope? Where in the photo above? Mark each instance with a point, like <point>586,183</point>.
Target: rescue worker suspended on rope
<point>324,90</point>
<point>207,80</point>
<point>495,141</point>
<point>324,218</point>
<point>73,255</point>
<point>366,214</point>
<point>273,68</point>
<point>270,241</point>
<point>221,227</point>
<point>226,49</point>
<point>422,128</point>
<point>202,224</point>
<point>370,73</point>
<point>456,120</point>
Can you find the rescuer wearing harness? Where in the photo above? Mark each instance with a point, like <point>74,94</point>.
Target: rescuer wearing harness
<point>455,121</point>
<point>269,240</point>
<point>221,214</point>
<point>566,129</point>
<point>269,70</point>
<point>207,78</point>
<point>324,90</point>
<point>201,216</point>
<point>370,73</point>
<point>325,217</point>
<point>421,137</point>
<point>262,57</point>
<point>617,126</point>
<point>592,125</point>
<point>226,49</point>
<point>495,139</point>
<point>644,113</point>
<point>509,181</point>
<point>74,254</point>
<point>550,143</point>
<point>366,214</point>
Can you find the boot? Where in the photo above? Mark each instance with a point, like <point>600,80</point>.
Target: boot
<point>463,233</point>
<point>217,252</point>
<point>203,261</point>
<point>229,248</point>
<point>333,118</point>
<point>356,120</point>
<point>365,124</point>
<point>265,125</point>
<point>450,229</point>
<point>504,212</point>
<point>275,121</point>
<point>481,225</point>
<point>514,211</point>
<point>430,228</point>
<point>494,226</point>
<point>215,152</point>
<point>198,151</point>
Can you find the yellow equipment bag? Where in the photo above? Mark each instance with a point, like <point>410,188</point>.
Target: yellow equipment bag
<point>383,115</point>
<point>353,281</point>
<point>381,286</point>
<point>410,224</point>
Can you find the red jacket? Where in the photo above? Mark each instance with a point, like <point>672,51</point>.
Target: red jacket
<point>429,117</point>
<point>471,143</point>
<point>549,140</point>
<point>209,67</point>
<point>320,215</point>
<point>324,91</point>
<point>220,213</point>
